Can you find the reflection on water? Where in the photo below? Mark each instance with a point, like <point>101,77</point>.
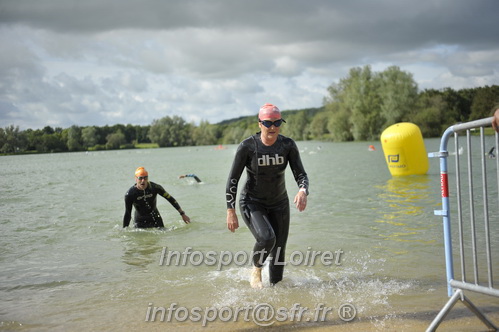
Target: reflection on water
<point>405,208</point>
<point>141,246</point>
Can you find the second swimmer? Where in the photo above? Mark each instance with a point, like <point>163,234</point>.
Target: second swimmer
<point>142,196</point>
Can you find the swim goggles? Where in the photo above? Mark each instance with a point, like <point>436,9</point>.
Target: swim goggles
<point>268,123</point>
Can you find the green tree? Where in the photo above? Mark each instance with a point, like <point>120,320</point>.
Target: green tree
<point>204,134</point>
<point>457,106</point>
<point>464,104</point>
<point>366,102</point>
<point>115,140</point>
<point>75,141</point>
<point>296,126</point>
<point>130,132</point>
<point>484,101</point>
<point>52,142</point>
<point>89,136</point>
<point>430,113</point>
<point>233,134</point>
<point>398,93</point>
<point>12,140</point>
<point>143,134</point>
<point>357,95</point>
<point>102,133</point>
<point>319,126</point>
<point>33,138</point>
<point>338,123</point>
<point>48,130</point>
<point>170,131</point>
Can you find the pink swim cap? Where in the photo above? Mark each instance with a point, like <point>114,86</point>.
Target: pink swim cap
<point>269,111</point>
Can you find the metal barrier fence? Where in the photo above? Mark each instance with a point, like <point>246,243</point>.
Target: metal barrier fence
<point>473,238</point>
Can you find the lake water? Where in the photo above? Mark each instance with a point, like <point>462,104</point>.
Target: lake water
<point>67,265</point>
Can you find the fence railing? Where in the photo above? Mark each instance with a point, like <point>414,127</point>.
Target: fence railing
<point>475,187</point>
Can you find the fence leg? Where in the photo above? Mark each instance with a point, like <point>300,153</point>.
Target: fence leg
<point>478,313</point>
<point>459,295</point>
<point>445,310</point>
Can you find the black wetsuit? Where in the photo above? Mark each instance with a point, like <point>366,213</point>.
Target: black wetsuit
<point>264,200</point>
<point>144,201</point>
<point>198,180</point>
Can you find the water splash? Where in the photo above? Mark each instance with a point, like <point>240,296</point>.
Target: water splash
<point>360,283</point>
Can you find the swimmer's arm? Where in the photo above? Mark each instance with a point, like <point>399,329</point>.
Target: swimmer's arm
<point>301,178</point>
<point>298,170</point>
<point>194,176</point>
<point>235,174</point>
<point>173,202</point>
<point>231,186</point>
<point>128,212</point>
<point>191,176</point>
<point>177,207</point>
<point>162,192</point>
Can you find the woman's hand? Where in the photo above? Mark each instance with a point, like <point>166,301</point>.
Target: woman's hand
<point>301,200</point>
<point>232,222</point>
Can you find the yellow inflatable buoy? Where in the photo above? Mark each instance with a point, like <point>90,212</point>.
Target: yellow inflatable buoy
<point>404,149</point>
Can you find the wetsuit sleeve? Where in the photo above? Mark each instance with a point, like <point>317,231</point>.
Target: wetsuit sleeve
<point>128,210</point>
<point>234,175</point>
<point>194,176</point>
<point>169,198</point>
<point>299,173</point>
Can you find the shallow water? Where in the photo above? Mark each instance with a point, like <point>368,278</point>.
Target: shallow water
<point>67,264</point>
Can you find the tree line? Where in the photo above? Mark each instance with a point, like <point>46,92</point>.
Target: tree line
<point>358,107</point>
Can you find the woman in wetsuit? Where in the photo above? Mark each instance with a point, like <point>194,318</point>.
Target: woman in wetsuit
<point>264,201</point>
<point>142,196</point>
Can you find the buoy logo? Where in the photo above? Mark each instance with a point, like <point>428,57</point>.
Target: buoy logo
<point>393,158</point>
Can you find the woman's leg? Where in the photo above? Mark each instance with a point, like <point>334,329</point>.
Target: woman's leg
<point>257,220</point>
<point>279,220</point>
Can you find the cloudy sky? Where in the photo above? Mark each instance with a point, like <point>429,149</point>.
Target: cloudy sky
<point>105,62</point>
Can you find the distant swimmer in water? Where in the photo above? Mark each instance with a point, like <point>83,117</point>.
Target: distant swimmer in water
<point>142,196</point>
<point>198,180</point>
<point>491,154</point>
<point>264,200</point>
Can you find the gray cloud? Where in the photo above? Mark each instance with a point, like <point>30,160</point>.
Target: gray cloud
<point>122,61</point>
